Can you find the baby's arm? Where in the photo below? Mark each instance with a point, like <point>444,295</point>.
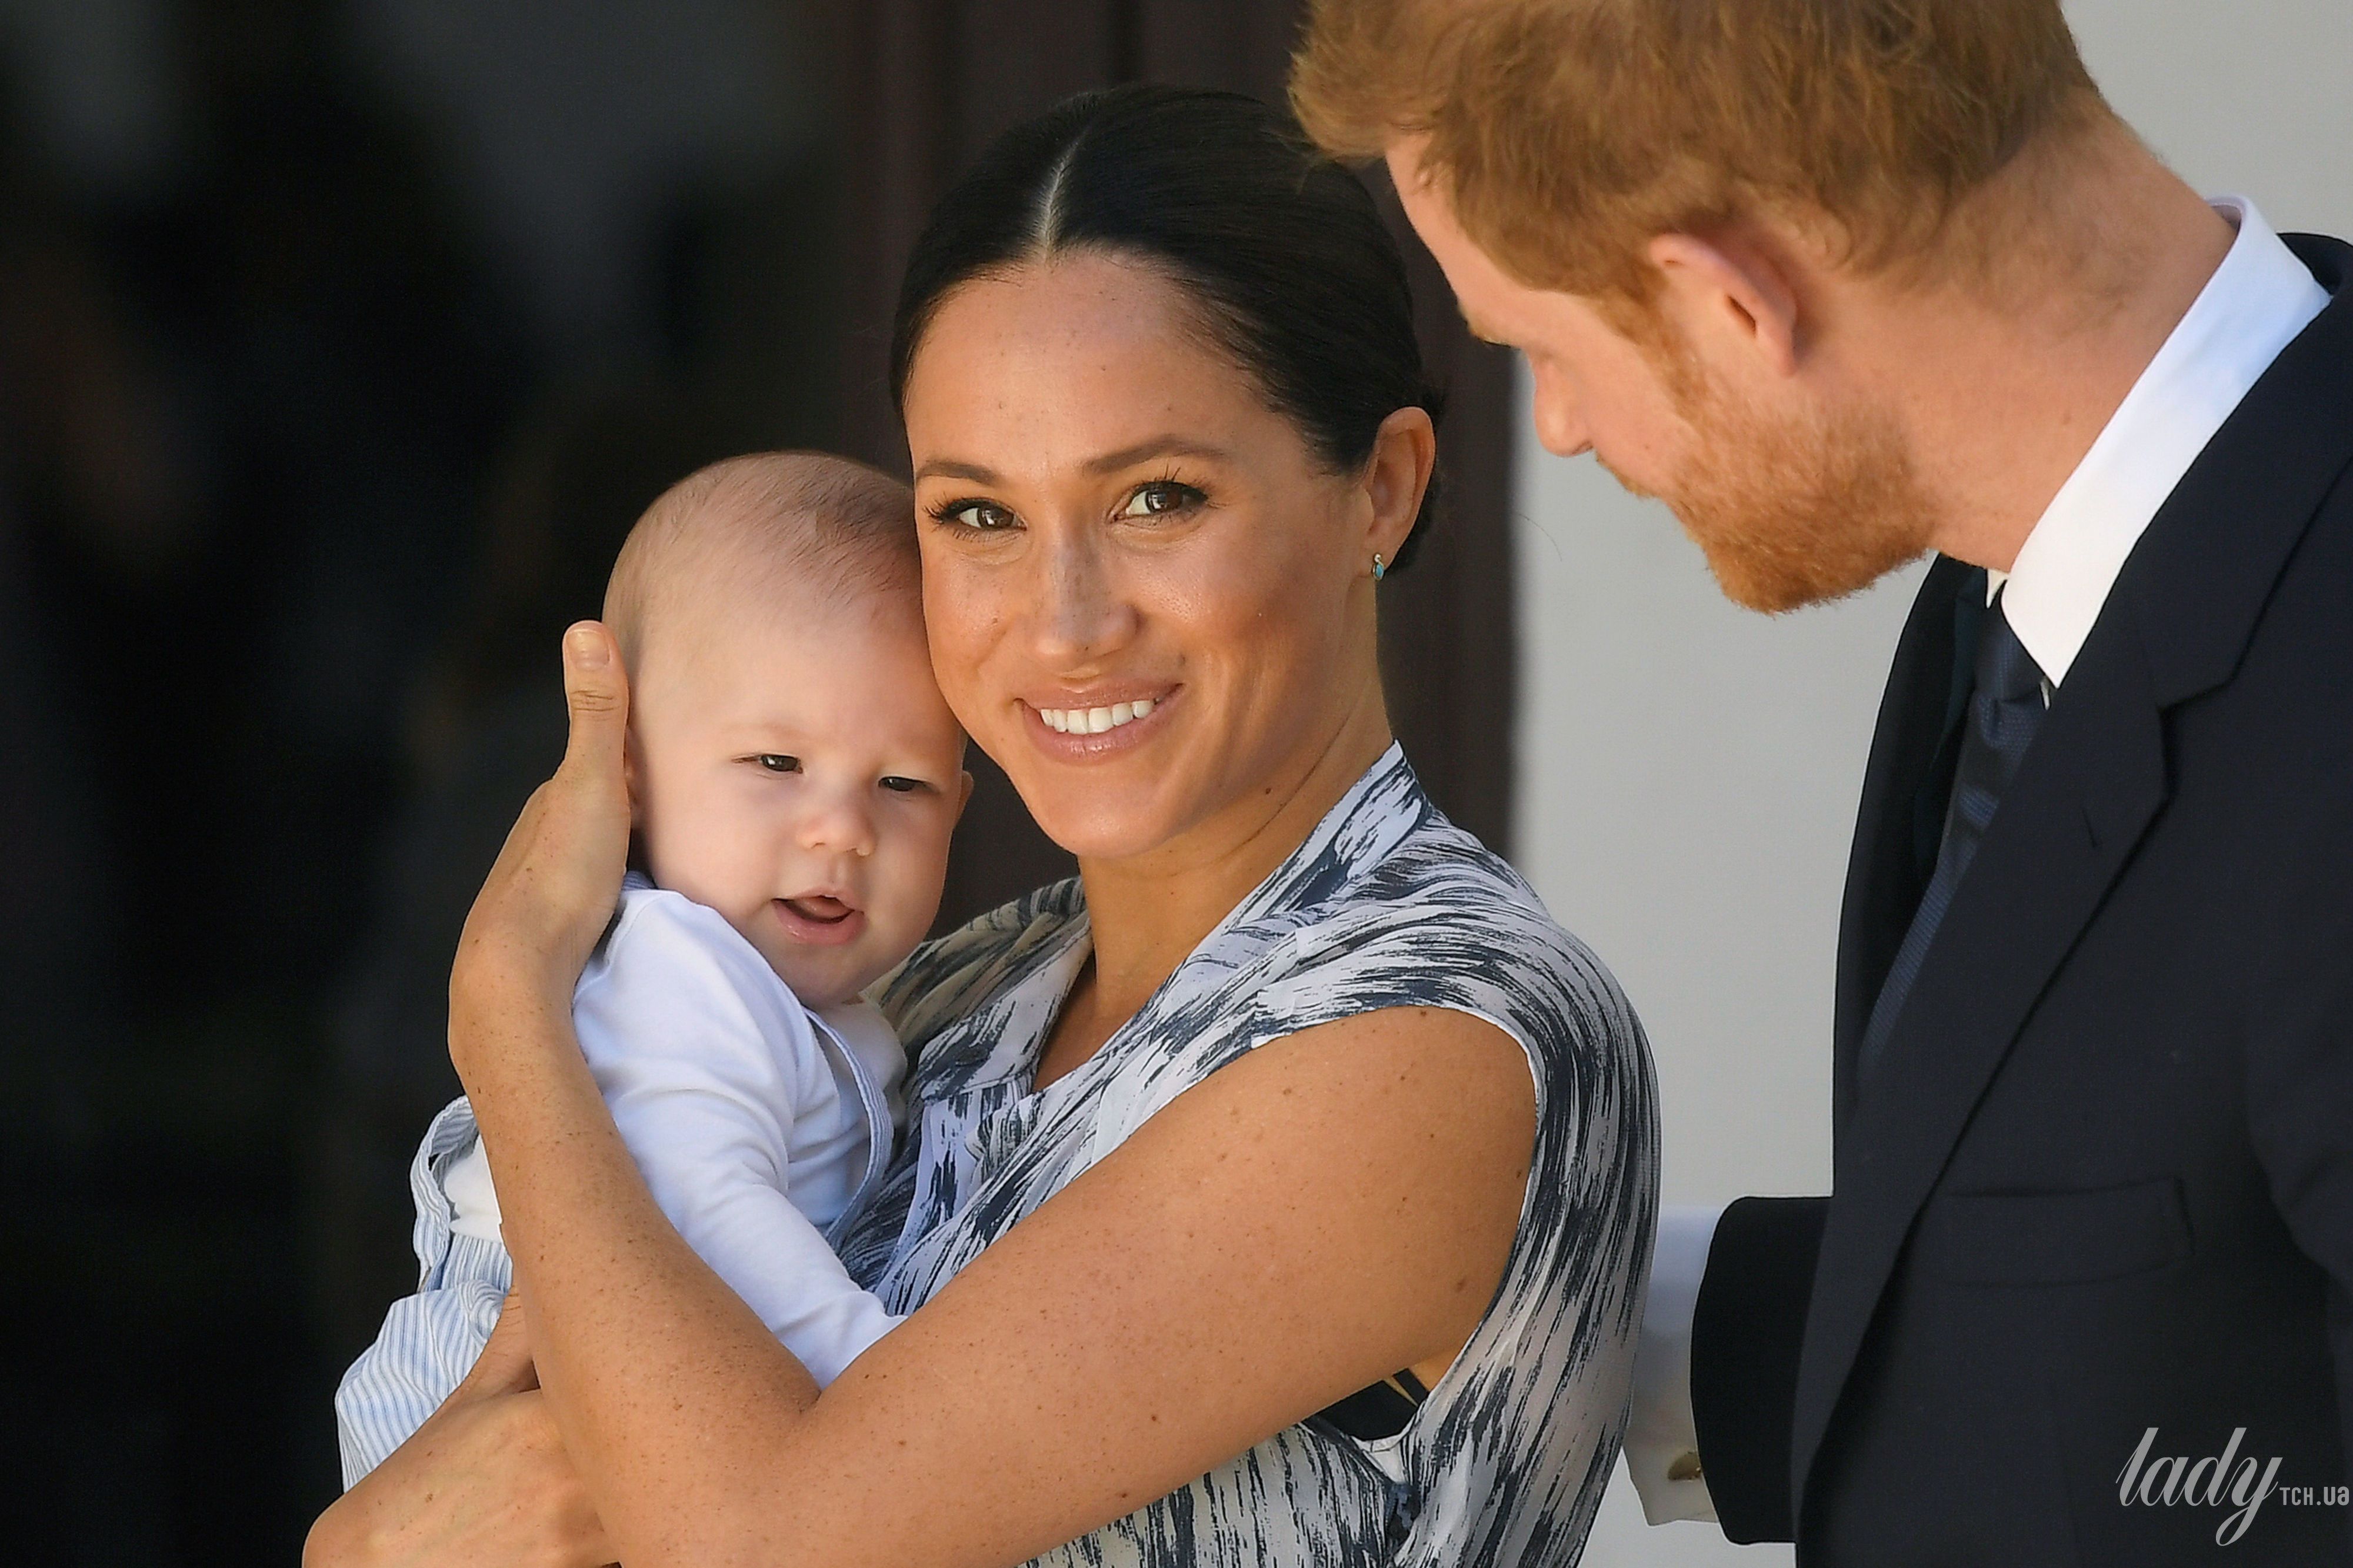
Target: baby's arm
<point>430,1341</point>
<point>705,1062</point>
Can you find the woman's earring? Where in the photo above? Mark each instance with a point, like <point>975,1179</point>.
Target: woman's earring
<point>1380,567</point>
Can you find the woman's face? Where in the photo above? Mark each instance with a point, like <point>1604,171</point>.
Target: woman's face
<point>1147,598</point>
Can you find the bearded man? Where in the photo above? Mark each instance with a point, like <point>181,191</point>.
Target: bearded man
<point>1846,282</point>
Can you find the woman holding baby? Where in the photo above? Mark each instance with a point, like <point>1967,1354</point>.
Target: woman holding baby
<point>1279,1191</point>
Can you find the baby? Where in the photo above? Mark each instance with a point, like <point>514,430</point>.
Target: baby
<point>796,775</point>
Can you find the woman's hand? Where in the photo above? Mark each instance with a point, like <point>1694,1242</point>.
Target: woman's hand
<point>558,878</point>
<point>485,1481</point>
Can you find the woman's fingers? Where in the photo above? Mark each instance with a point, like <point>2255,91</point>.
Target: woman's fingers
<point>594,776</point>
<point>486,1481</point>
<point>559,875</point>
<point>505,1365</point>
<point>596,694</point>
<point>592,826</point>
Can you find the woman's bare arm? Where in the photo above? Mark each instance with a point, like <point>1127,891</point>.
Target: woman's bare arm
<point>1334,1207</point>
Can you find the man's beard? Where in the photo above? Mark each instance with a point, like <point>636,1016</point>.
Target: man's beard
<point>1794,512</point>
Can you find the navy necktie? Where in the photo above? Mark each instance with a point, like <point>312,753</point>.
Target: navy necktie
<point>2005,709</point>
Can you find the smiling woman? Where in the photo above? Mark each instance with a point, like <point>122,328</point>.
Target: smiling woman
<point>1151,532</point>
<point>1225,422</point>
<point>1277,1192</point>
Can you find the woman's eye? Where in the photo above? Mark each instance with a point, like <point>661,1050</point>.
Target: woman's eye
<point>981,516</point>
<point>777,762</point>
<point>1161,499</point>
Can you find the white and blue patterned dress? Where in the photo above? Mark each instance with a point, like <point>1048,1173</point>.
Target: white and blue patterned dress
<point>1385,905</point>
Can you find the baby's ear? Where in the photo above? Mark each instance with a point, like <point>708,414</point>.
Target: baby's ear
<point>629,778</point>
<point>964,793</point>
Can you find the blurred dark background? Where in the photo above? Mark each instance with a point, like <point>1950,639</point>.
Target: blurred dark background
<point>341,341</point>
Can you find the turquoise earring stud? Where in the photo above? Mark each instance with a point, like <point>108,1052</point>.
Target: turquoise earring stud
<point>1380,567</point>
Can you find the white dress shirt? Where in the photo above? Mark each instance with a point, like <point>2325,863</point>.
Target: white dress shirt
<point>2257,301</point>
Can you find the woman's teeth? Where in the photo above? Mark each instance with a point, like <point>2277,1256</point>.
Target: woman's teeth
<point>1094,720</point>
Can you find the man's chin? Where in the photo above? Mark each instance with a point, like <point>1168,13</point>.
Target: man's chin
<point>1774,570</point>
<point>1774,581</point>
<point>1778,592</point>
<point>1793,509</point>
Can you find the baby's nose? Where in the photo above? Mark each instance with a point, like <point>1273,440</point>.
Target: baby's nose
<point>839,827</point>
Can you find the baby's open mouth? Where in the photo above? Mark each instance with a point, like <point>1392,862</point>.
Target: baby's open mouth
<point>821,909</point>
<point>821,920</point>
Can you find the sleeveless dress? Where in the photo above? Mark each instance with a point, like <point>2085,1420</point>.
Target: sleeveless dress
<point>1387,904</point>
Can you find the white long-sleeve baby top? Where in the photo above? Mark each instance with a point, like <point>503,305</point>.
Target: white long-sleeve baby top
<point>761,1126</point>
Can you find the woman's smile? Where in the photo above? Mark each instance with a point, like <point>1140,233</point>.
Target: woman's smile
<point>1085,731</point>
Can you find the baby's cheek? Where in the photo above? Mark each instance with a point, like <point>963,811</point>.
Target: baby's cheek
<point>905,897</point>
<point>899,917</point>
<point>686,856</point>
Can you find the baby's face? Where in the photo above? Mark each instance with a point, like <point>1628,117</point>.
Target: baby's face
<point>795,769</point>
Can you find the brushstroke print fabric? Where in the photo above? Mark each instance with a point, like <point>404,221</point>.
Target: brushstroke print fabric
<point>1385,905</point>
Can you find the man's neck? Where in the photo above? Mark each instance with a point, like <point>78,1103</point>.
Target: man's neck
<point>2023,378</point>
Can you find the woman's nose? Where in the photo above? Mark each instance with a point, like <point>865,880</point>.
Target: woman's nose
<point>1078,613</point>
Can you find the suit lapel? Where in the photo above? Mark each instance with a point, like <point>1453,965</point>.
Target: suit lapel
<point>2085,795</point>
<point>2175,626</point>
<point>1903,786</point>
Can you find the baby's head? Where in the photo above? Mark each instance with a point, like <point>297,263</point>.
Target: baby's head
<point>792,763</point>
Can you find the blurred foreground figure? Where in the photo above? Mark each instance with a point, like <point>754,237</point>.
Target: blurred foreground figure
<point>1844,285</point>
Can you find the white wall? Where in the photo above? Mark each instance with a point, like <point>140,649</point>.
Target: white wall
<point>1688,771</point>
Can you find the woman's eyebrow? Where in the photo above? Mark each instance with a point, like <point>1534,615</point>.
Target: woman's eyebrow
<point>1158,446</point>
<point>949,469</point>
<point>1109,463</point>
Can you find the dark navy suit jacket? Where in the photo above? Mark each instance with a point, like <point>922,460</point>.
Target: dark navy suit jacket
<point>2101,1180</point>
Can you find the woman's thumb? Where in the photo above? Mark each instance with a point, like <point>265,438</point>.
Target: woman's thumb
<point>596,691</point>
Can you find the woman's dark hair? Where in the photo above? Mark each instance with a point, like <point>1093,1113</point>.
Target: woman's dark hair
<point>1283,250</point>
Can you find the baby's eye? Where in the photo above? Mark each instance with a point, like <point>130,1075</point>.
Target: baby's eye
<point>981,516</point>
<point>777,762</point>
<point>1162,498</point>
<point>898,785</point>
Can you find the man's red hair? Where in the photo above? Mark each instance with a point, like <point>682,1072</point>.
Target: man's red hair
<point>1569,132</point>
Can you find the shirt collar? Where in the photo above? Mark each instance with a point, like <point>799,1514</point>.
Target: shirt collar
<point>2257,301</point>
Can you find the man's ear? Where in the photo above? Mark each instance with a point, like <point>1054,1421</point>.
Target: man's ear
<point>1730,297</point>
